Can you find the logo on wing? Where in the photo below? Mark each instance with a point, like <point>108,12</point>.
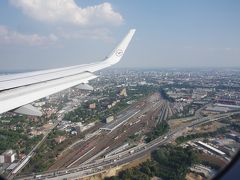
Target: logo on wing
<point>119,52</point>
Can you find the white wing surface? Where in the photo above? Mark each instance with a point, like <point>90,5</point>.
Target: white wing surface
<point>18,90</point>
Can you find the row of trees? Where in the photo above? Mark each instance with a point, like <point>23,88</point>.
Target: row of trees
<point>165,95</point>
<point>189,137</point>
<point>159,130</point>
<point>235,127</point>
<point>169,162</point>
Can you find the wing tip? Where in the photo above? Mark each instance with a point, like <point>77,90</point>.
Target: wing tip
<point>118,52</point>
<point>133,30</point>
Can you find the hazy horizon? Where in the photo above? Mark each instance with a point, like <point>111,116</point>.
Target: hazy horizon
<point>134,68</point>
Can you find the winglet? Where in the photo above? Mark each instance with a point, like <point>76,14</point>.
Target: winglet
<point>118,52</point>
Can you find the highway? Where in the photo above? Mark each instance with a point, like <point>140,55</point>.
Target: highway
<point>103,164</point>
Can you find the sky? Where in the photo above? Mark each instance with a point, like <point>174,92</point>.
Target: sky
<point>42,34</point>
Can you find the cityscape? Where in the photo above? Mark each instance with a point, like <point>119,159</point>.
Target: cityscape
<point>170,123</point>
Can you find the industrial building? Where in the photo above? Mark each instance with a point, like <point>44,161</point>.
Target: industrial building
<point>92,106</point>
<point>109,119</point>
<point>210,148</point>
<point>234,137</point>
<point>123,92</point>
<point>1,159</point>
<point>8,156</point>
<point>120,119</point>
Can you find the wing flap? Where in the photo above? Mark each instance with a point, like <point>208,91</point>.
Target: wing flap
<point>28,110</point>
<point>85,86</point>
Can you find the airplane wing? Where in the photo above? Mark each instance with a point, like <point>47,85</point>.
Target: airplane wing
<point>18,90</point>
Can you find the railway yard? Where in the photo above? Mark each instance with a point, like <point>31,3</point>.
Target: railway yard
<point>135,121</point>
<point>138,118</point>
<point>121,141</point>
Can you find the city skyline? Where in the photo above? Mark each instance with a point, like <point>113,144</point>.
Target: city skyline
<point>169,34</point>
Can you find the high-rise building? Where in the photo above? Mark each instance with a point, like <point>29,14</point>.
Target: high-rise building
<point>123,92</point>
<point>109,119</point>
<point>92,106</point>
<point>2,159</point>
<point>9,156</point>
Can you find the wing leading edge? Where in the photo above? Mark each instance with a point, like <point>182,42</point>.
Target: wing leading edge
<point>19,90</point>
